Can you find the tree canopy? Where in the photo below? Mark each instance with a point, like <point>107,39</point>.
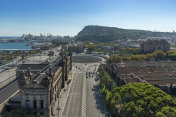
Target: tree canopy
<point>136,99</point>
<point>115,49</point>
<point>51,53</point>
<point>157,55</point>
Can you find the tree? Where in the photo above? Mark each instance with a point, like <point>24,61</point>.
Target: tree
<point>167,111</point>
<point>114,59</point>
<point>125,58</point>
<point>51,53</point>
<point>159,55</point>
<point>171,54</point>
<point>135,99</point>
<point>84,45</point>
<point>91,47</point>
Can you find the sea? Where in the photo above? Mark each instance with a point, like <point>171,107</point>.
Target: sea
<point>15,46</point>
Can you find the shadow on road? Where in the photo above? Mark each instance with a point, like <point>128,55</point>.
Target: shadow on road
<point>100,105</point>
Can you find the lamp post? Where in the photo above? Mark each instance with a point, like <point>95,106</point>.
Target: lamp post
<point>58,109</point>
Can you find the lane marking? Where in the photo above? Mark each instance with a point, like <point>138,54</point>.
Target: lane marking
<point>75,93</point>
<point>84,94</point>
<point>74,86</point>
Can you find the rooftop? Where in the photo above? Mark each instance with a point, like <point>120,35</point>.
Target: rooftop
<point>162,73</point>
<point>32,66</point>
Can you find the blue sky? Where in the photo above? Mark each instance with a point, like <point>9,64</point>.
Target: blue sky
<point>68,17</point>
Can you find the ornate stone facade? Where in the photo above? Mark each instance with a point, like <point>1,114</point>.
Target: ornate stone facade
<point>40,91</point>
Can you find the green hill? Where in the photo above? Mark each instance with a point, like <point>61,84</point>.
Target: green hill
<point>107,34</point>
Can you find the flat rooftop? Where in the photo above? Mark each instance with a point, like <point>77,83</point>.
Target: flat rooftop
<point>32,66</point>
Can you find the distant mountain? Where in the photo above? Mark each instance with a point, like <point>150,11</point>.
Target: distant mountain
<point>106,34</point>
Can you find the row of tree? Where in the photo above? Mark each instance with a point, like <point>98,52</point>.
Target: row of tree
<point>157,55</point>
<point>98,47</point>
<point>7,56</point>
<point>135,100</point>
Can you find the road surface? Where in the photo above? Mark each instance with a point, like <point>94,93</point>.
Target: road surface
<point>81,100</point>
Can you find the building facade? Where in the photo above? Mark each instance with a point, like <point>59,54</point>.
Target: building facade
<point>39,91</point>
<point>34,68</point>
<point>77,48</point>
<point>153,45</point>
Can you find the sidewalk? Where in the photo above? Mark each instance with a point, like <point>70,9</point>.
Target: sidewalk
<point>62,99</point>
<point>64,94</point>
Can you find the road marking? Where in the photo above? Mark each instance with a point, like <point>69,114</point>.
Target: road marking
<point>84,95</point>
<point>75,93</point>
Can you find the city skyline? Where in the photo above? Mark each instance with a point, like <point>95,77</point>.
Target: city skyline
<point>60,17</point>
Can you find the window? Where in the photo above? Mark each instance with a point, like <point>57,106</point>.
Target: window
<point>35,113</point>
<point>41,104</point>
<point>35,103</point>
<point>41,113</point>
<point>34,92</point>
<point>27,103</point>
<point>52,113</point>
<point>27,93</point>
<point>41,92</point>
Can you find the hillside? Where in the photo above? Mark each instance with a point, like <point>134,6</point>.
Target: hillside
<point>106,34</point>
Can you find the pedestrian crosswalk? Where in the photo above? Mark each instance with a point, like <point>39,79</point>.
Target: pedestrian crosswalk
<point>84,107</point>
<point>84,98</point>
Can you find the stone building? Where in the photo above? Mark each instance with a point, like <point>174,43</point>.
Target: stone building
<point>153,45</point>
<point>40,90</point>
<point>34,68</point>
<point>107,48</point>
<point>161,74</point>
<point>77,47</point>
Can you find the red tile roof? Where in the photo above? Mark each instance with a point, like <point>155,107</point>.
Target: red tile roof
<point>161,73</point>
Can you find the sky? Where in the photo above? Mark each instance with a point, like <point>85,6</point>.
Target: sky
<point>68,17</point>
